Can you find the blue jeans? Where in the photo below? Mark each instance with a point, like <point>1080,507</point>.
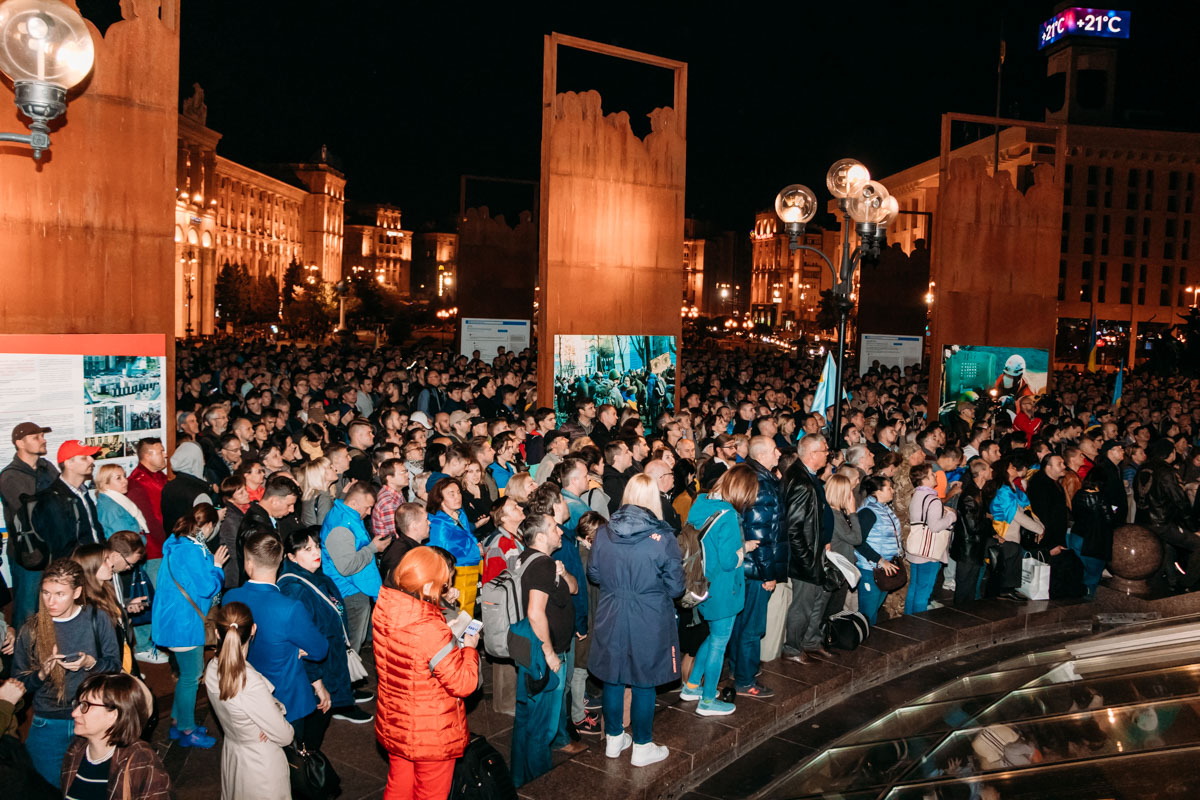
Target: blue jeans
<point>183,710</point>
<point>47,745</point>
<point>748,629</point>
<point>921,580</point>
<point>706,671</point>
<point>536,724</point>
<point>27,587</point>
<point>870,598</point>
<point>1093,568</point>
<point>562,738</point>
<point>641,711</point>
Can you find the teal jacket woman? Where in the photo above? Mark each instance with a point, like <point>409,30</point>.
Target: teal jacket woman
<point>722,557</point>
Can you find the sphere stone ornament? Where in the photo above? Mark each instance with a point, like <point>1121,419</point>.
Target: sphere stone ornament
<point>1136,555</point>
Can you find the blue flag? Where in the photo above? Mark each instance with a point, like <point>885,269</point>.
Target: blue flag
<point>1119,385</point>
<point>826,391</point>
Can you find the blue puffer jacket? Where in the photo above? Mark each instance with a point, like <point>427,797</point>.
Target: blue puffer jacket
<point>884,536</point>
<point>722,567</point>
<point>174,622</point>
<point>763,522</point>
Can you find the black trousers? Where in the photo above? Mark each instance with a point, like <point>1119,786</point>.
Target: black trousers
<point>966,580</point>
<point>310,730</point>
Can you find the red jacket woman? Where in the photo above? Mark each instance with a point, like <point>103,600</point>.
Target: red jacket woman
<point>423,677</point>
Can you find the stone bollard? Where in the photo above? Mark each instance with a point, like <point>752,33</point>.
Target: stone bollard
<point>1136,555</point>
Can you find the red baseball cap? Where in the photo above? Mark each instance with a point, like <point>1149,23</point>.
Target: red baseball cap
<point>73,447</point>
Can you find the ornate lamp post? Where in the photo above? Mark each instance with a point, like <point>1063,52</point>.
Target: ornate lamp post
<point>868,205</point>
<point>45,49</point>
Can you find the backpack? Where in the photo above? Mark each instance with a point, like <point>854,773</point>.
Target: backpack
<point>691,545</point>
<point>481,773</point>
<point>845,630</point>
<point>501,606</point>
<point>29,547</point>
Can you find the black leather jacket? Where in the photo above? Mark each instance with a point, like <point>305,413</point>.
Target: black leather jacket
<point>1093,523</point>
<point>973,526</point>
<point>802,500</point>
<point>1162,505</point>
<point>763,522</point>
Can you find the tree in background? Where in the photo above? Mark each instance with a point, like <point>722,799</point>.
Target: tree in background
<point>231,293</point>
<point>293,279</point>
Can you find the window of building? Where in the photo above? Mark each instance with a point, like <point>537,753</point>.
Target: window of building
<point>1129,226</point>
<point>1104,246</point>
<point>1131,201</point>
<point>1145,249</point>
<point>1142,296</point>
<point>1172,203</point>
<point>1126,295</point>
<point>1091,198</point>
<point>1149,204</point>
<point>1127,272</point>
<point>1093,173</point>
<point>1088,246</point>
<point>1170,229</point>
<point>1085,293</point>
<point>1172,181</point>
<point>1141,273</point>
<point>1169,250</point>
<point>1100,293</point>
<point>1127,248</point>
<point>1106,223</point>
<point>1145,226</point>
<point>1133,178</point>
<point>1089,223</point>
<point>1149,180</point>
<point>1108,176</point>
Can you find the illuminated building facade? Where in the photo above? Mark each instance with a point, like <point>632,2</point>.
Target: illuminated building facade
<point>377,242</point>
<point>229,213</point>
<point>1128,211</point>
<point>785,285</point>
<point>435,266</point>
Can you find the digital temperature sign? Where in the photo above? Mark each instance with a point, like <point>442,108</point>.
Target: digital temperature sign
<point>1101,22</point>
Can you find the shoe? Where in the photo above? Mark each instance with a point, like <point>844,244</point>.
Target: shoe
<point>615,745</point>
<point>152,657</point>
<point>821,651</point>
<point>590,725</point>
<point>650,753</point>
<point>592,703</point>
<point>757,690</point>
<point>801,658</point>
<point>573,749</point>
<point>714,708</point>
<point>176,734</point>
<point>196,739</point>
<point>688,694</point>
<point>933,604</point>
<point>363,695</point>
<point>1013,595</point>
<point>353,714</point>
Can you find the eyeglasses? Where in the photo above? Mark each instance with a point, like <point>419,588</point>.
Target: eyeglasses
<point>85,706</point>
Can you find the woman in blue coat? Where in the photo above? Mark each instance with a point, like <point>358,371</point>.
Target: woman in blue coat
<point>302,579</point>
<point>636,566</point>
<point>724,550</point>
<point>188,581</point>
<point>450,528</point>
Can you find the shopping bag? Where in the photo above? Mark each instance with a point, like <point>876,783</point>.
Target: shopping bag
<point>1035,577</point>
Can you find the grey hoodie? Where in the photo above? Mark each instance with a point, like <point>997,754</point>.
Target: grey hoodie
<point>188,458</point>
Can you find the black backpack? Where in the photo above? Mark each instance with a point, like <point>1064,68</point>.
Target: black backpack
<point>29,548</point>
<point>481,774</point>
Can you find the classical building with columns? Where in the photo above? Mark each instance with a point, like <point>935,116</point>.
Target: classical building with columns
<point>229,213</point>
<point>377,242</point>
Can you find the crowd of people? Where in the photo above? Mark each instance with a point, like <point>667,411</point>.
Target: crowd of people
<point>324,505</point>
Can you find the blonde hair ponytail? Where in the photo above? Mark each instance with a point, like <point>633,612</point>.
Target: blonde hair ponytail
<point>234,625</point>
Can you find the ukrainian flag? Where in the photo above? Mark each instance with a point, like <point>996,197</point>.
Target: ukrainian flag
<point>1093,338</point>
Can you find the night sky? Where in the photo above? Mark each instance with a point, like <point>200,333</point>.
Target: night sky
<point>411,95</point>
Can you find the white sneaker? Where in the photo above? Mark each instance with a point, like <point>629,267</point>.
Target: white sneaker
<point>649,753</point>
<point>615,745</point>
<point>152,657</point>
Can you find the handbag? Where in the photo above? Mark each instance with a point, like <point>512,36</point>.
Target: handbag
<point>924,542</point>
<point>354,662</point>
<point>210,627</point>
<point>898,579</point>
<point>312,776</point>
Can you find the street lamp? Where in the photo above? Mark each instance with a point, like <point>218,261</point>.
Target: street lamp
<point>1193,291</point>
<point>342,289</point>
<point>45,49</point>
<point>871,208</point>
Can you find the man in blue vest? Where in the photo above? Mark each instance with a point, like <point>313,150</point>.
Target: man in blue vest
<point>284,634</point>
<point>348,557</point>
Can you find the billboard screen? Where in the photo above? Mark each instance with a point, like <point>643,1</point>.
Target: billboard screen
<point>972,372</point>
<point>636,372</point>
<point>1105,23</point>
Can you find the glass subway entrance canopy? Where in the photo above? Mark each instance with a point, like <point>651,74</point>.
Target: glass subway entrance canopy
<point>1112,716</point>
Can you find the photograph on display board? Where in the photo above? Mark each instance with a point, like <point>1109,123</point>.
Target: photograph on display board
<point>106,419</point>
<point>121,378</point>
<point>634,372</point>
<point>110,447</point>
<point>144,417</point>
<point>972,373</point>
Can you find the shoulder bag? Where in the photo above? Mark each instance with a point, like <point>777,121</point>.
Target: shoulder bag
<point>898,579</point>
<point>924,542</point>
<point>210,627</point>
<point>354,661</point>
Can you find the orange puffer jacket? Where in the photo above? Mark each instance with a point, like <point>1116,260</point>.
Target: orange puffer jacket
<point>420,712</point>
